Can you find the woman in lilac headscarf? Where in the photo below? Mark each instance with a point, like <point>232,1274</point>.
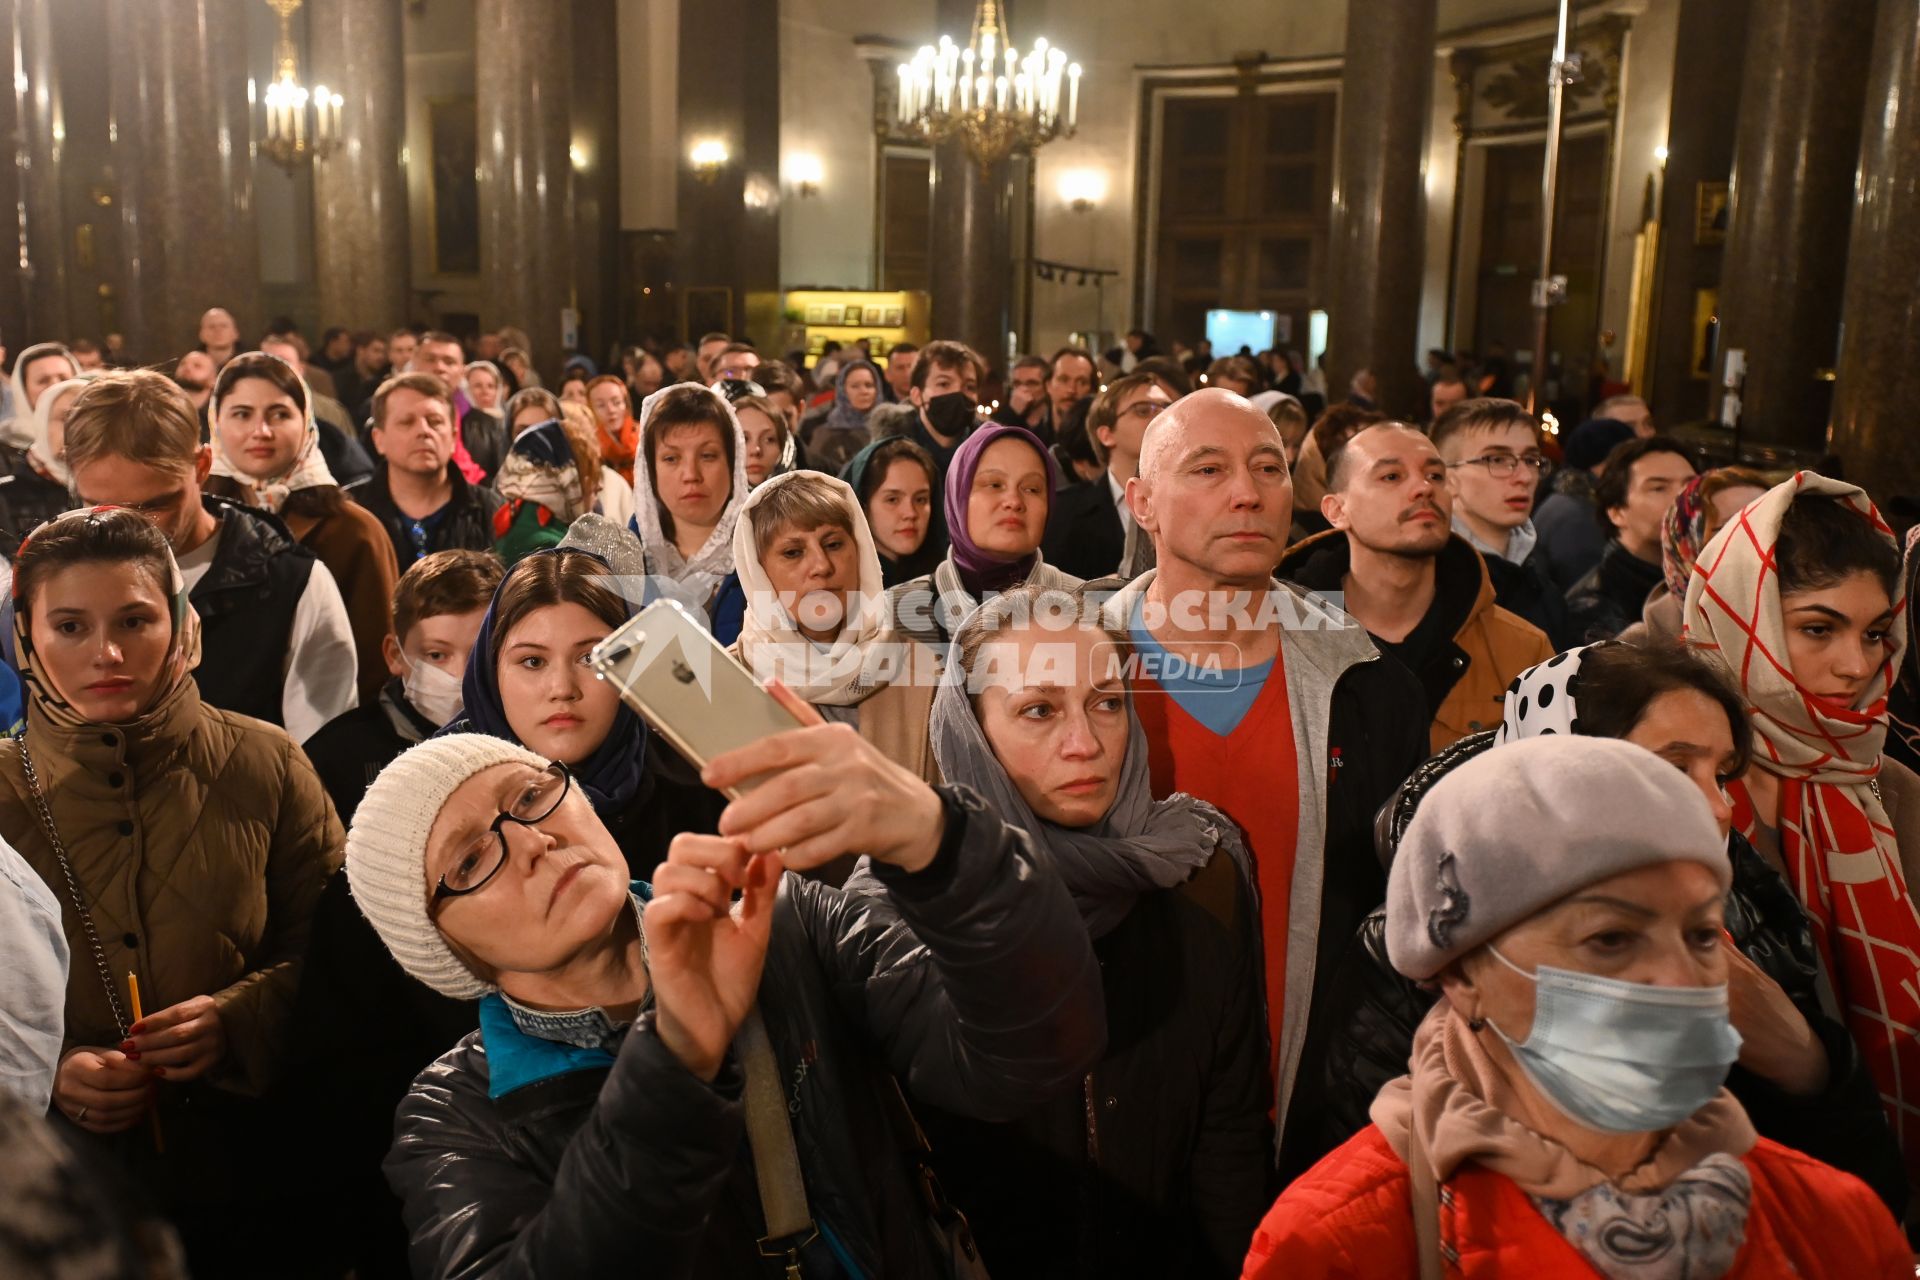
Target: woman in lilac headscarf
<point>999,492</point>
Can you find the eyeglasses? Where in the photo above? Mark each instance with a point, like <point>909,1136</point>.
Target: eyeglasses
<point>482,857</point>
<point>1501,466</point>
<point>1145,410</point>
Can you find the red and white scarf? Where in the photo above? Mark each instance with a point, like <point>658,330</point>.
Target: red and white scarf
<point>1835,838</point>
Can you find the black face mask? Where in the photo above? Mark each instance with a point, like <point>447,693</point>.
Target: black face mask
<point>952,415</point>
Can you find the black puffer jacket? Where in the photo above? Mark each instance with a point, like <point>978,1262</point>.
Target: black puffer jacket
<point>973,981</point>
<point>1157,1164</point>
<point>1845,1126</point>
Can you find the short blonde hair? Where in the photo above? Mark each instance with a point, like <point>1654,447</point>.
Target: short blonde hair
<point>138,415</point>
<point>803,503</point>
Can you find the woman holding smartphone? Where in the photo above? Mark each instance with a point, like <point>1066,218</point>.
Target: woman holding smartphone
<point>597,1115</point>
<point>528,681</point>
<point>1038,720</point>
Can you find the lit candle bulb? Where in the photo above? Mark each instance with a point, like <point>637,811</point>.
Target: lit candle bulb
<point>1073,95</point>
<point>906,91</point>
<point>1000,93</point>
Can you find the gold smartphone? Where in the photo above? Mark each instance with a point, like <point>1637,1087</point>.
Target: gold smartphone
<point>670,669</point>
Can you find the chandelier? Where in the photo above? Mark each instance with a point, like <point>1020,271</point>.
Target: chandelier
<point>988,94</point>
<point>300,125</point>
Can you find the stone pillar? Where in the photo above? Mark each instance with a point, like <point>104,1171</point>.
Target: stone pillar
<point>728,222</point>
<point>177,82</point>
<point>970,277</point>
<point>596,173</point>
<point>970,272</point>
<point>361,253</point>
<point>1789,207</point>
<point>523,71</point>
<point>37,234</point>
<point>1378,237</point>
<point>1879,378</point>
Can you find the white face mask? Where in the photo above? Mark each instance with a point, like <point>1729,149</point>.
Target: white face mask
<point>433,691</point>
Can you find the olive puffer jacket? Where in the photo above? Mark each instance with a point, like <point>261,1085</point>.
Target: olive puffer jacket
<point>972,981</point>
<point>202,841</point>
<point>1844,1125</point>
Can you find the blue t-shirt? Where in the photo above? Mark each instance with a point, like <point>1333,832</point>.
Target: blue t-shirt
<point>1218,697</point>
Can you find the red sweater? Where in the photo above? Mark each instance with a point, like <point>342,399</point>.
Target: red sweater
<point>1350,1217</point>
<point>1251,775</point>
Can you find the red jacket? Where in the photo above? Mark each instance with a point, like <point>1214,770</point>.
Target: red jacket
<point>1351,1217</point>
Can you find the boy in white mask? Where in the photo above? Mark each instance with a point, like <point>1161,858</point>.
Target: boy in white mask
<point>437,609</point>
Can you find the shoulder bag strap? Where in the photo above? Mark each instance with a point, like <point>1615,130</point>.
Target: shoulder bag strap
<point>73,890</point>
<point>1426,1205</point>
<point>776,1161</point>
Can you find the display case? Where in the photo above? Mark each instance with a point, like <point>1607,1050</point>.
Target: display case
<point>885,318</point>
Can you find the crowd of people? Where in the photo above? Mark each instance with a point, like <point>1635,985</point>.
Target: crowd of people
<point>1228,831</point>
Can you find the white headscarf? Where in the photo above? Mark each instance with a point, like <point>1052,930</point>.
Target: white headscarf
<point>18,430</point>
<point>499,410</point>
<point>714,560</point>
<point>309,467</point>
<point>771,642</point>
<point>40,449</point>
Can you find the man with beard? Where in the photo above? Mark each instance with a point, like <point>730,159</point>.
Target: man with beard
<point>194,373</point>
<point>1421,591</point>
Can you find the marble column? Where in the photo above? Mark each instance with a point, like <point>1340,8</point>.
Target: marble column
<point>1789,207</point>
<point>970,277</point>
<point>970,274</point>
<point>728,221</point>
<point>177,83</point>
<point>523,65</point>
<point>37,235</point>
<point>1879,378</point>
<point>596,172</point>
<point>1378,236</point>
<point>361,253</point>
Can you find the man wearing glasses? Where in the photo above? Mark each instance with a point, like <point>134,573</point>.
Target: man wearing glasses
<point>1091,529</point>
<point>1494,472</point>
<point>1422,593</point>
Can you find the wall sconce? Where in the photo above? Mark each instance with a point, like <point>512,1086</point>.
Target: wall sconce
<point>806,173</point>
<point>577,154</point>
<point>709,156</point>
<point>1082,189</point>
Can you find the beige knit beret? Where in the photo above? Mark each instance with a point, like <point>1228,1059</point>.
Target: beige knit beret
<point>1523,825</point>
<point>387,851</point>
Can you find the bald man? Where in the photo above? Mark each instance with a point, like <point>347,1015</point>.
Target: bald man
<point>1268,704</point>
<point>219,336</point>
<point>1421,591</point>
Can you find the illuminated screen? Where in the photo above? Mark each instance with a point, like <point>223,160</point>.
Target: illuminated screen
<point>1229,331</point>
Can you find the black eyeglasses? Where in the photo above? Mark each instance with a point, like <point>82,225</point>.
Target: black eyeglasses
<point>482,857</point>
<point>1501,466</point>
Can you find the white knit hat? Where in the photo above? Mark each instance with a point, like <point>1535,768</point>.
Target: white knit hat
<point>387,851</point>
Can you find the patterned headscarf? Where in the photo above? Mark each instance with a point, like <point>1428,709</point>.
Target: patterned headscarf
<point>308,470</point>
<point>1840,849</point>
<point>1682,530</point>
<point>1544,698</point>
<point>183,655</point>
<point>540,468</point>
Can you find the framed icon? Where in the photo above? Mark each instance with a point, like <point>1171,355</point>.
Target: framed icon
<point>817,313</point>
<point>895,317</point>
<point>835,313</point>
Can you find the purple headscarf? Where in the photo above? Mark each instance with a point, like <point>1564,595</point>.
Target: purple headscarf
<point>982,571</point>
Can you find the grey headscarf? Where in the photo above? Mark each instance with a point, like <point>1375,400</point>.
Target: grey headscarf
<point>1142,844</point>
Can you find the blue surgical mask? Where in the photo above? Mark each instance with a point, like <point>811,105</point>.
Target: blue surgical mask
<point>1624,1057</point>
